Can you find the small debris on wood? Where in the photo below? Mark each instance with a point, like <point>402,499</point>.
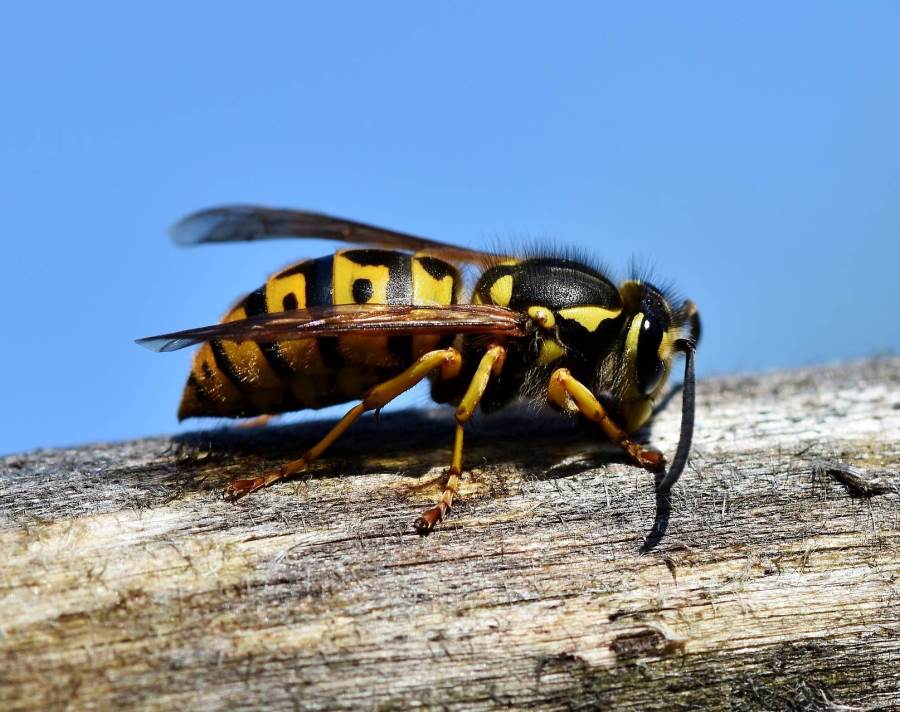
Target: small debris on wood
<point>858,481</point>
<point>651,641</point>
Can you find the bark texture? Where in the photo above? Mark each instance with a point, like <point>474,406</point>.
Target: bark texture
<point>770,580</point>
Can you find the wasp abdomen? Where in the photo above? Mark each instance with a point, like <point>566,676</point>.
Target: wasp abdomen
<point>239,379</point>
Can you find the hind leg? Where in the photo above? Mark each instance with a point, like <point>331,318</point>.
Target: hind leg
<point>447,360</point>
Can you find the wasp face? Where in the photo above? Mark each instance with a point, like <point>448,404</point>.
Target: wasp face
<point>648,343</point>
<point>642,364</point>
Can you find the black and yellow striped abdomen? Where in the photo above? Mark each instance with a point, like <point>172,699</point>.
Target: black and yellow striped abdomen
<point>243,379</point>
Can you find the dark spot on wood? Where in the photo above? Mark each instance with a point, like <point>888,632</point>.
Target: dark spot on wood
<point>642,643</point>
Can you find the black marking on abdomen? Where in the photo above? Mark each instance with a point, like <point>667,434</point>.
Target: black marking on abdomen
<point>271,351</point>
<point>320,282</point>
<point>489,277</point>
<point>255,304</point>
<point>224,364</point>
<point>320,293</point>
<point>299,268</point>
<point>199,391</point>
<point>392,259</point>
<point>399,288</point>
<point>362,290</point>
<point>401,348</point>
<point>328,350</point>
<point>437,269</point>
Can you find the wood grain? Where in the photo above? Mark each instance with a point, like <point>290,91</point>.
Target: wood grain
<point>560,582</point>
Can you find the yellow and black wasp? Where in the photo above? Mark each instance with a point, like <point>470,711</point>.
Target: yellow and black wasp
<point>368,324</point>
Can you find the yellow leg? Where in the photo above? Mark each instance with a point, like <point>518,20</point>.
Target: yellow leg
<point>448,360</point>
<point>564,390</point>
<point>491,364</point>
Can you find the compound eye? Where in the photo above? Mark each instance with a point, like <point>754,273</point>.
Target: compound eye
<point>649,367</point>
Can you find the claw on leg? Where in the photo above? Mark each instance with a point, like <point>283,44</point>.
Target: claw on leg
<point>431,517</point>
<point>241,488</point>
<point>652,460</point>
<point>569,393</point>
<point>428,520</point>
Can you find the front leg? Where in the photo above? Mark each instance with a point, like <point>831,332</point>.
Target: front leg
<point>565,390</point>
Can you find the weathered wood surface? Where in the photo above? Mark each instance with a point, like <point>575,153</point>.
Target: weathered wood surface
<point>127,581</point>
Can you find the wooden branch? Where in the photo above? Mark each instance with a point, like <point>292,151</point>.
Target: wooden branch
<point>559,581</point>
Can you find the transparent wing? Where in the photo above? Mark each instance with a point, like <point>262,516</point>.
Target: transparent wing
<point>355,318</point>
<point>241,223</point>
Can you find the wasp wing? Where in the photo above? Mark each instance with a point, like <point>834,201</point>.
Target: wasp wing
<point>372,319</point>
<point>241,223</point>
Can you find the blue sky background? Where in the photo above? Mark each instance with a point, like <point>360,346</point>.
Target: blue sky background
<point>751,152</point>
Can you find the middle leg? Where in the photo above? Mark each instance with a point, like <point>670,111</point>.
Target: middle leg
<point>491,364</point>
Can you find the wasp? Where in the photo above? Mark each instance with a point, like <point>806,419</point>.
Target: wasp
<point>369,323</point>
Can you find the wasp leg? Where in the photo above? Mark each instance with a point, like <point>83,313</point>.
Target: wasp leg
<point>491,364</point>
<point>448,360</point>
<point>565,390</point>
